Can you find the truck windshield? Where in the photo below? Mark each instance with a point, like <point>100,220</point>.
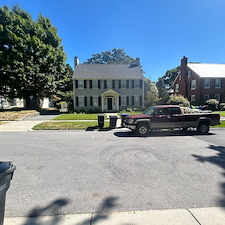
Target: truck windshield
<point>149,111</point>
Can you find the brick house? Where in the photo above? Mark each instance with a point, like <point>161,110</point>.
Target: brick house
<point>108,87</point>
<point>200,81</point>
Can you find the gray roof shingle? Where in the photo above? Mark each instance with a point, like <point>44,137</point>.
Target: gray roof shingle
<point>107,71</point>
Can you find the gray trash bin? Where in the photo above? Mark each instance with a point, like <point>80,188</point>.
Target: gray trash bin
<point>101,121</point>
<point>112,122</point>
<point>6,174</point>
<point>123,117</point>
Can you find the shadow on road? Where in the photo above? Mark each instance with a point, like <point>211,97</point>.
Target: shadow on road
<point>53,209</point>
<point>219,160</point>
<point>160,133</point>
<point>107,205</point>
<point>102,213</point>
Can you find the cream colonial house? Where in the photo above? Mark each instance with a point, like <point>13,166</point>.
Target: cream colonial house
<point>108,87</point>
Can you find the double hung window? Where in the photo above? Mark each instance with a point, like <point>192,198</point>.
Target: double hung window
<point>207,83</point>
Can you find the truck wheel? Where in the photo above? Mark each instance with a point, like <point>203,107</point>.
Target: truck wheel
<point>203,128</point>
<point>142,129</point>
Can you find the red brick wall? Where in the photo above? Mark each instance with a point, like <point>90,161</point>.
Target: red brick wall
<point>185,85</point>
<point>197,90</point>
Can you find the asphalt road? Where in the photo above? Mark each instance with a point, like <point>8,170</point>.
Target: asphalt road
<point>68,172</point>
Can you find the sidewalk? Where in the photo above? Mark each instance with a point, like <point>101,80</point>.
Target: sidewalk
<point>27,125</point>
<point>19,125</point>
<point>194,216</point>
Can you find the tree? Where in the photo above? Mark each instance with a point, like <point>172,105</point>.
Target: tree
<point>163,92</point>
<point>115,56</point>
<point>151,92</point>
<point>32,59</point>
<point>170,76</point>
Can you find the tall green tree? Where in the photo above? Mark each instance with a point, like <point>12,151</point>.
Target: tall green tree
<point>32,59</point>
<point>163,92</point>
<point>115,56</point>
<point>151,93</point>
<point>170,76</point>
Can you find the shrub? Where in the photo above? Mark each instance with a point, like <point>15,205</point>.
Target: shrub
<point>178,100</point>
<point>213,104</point>
<point>221,106</point>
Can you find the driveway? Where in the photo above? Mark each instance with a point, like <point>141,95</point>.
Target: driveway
<point>26,124</point>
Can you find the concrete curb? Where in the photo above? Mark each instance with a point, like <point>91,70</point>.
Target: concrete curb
<point>194,216</point>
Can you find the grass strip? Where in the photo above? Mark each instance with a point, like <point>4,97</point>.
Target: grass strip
<point>222,113</point>
<point>67,125</point>
<point>222,125</point>
<point>78,117</point>
<point>15,115</point>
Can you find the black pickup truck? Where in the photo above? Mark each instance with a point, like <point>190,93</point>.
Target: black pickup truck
<point>171,117</point>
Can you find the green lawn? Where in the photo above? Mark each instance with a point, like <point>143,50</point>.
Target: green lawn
<point>222,113</point>
<point>77,117</point>
<point>67,125</point>
<point>222,125</point>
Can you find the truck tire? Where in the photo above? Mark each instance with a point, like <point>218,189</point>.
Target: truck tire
<point>203,128</point>
<point>142,129</point>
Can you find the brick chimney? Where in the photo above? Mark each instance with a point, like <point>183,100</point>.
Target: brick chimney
<point>137,62</point>
<point>183,74</point>
<point>184,62</point>
<point>76,62</point>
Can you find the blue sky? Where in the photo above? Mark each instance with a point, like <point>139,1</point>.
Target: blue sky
<point>159,32</point>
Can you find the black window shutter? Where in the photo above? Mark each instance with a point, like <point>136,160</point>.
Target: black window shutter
<point>85,84</point>
<point>99,101</point>
<point>105,84</point>
<point>91,101</point>
<point>127,100</point>
<point>141,83</point>
<point>113,84</point>
<point>76,83</point>
<point>119,100</point>
<point>132,83</point>
<point>140,100</point>
<point>90,83</point>
<point>85,101</point>
<point>77,101</point>
<point>99,84</point>
<point>119,83</point>
<point>132,100</point>
<point>127,83</point>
